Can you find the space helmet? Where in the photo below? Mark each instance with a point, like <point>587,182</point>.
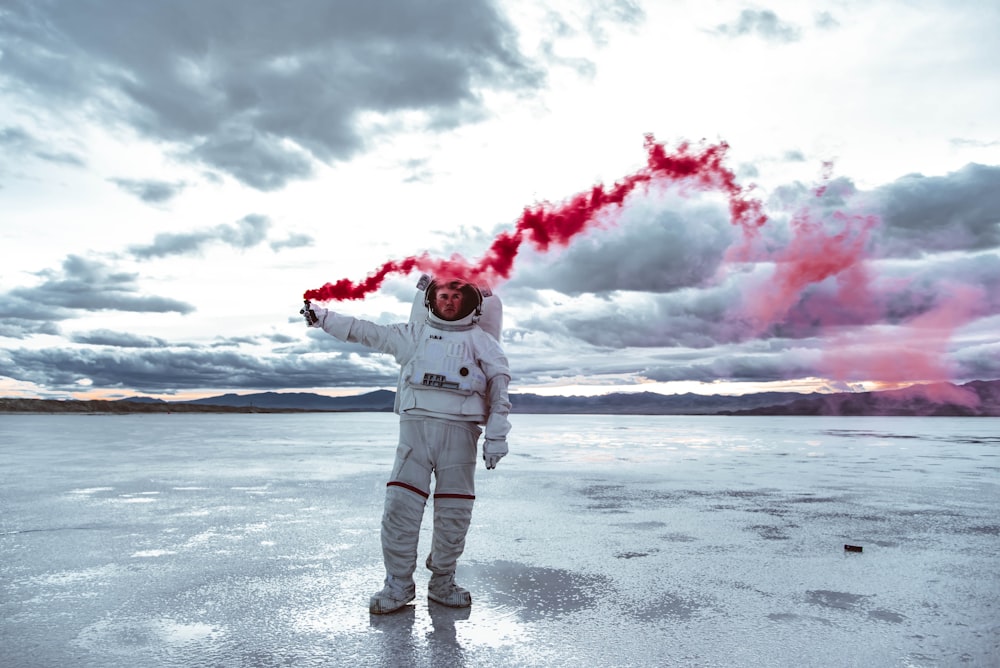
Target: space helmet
<point>472,296</point>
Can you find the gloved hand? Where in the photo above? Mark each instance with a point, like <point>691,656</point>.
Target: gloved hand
<point>313,314</point>
<point>493,451</point>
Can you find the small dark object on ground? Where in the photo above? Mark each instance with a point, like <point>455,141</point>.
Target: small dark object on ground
<point>853,548</point>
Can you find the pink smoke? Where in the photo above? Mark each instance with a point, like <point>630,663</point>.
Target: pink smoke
<point>832,249</point>
<point>813,255</point>
<point>914,350</point>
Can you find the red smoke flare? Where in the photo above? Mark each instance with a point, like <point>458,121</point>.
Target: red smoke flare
<point>546,224</point>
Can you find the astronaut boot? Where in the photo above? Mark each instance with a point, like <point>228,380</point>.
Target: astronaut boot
<point>442,589</point>
<point>452,517</point>
<point>396,593</point>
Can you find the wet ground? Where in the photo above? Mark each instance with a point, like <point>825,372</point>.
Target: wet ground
<point>252,540</point>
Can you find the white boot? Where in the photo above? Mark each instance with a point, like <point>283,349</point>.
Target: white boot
<point>396,593</point>
<point>443,590</point>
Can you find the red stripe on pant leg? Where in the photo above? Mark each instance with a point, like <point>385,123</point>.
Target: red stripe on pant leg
<point>455,496</point>
<point>396,483</point>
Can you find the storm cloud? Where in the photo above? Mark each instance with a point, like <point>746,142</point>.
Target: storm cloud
<point>959,211</point>
<point>247,232</point>
<point>157,370</point>
<point>151,191</point>
<point>93,285</point>
<point>658,245</point>
<point>18,143</point>
<point>259,90</point>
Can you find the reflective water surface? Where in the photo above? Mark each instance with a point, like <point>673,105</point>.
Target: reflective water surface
<point>252,540</point>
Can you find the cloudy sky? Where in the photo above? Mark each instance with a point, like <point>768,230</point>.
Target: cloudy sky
<point>175,175</point>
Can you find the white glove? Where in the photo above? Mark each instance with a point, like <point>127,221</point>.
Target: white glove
<point>493,451</point>
<point>313,314</point>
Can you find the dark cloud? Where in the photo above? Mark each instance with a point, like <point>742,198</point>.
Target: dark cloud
<point>978,362</point>
<point>24,328</point>
<point>691,319</point>
<point>165,371</point>
<point>281,338</point>
<point>261,162</point>
<point>294,240</point>
<point>232,341</point>
<point>737,366</point>
<point>150,191</point>
<point>652,249</point>
<point>928,284</point>
<point>15,138</point>
<point>749,361</point>
<point>92,285</point>
<point>930,214</point>
<point>18,144</point>
<point>763,23</point>
<point>920,215</point>
<point>107,337</point>
<point>14,307</point>
<point>247,232</point>
<point>259,90</point>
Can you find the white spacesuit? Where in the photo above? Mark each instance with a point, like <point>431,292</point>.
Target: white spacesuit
<point>453,380</point>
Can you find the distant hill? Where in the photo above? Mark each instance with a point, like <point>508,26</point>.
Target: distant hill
<point>630,403</point>
<point>648,403</point>
<point>377,401</point>
<point>977,398</point>
<point>16,405</point>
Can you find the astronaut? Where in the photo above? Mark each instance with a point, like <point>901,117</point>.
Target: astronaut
<point>453,382</point>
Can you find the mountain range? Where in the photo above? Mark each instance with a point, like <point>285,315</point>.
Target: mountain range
<point>974,399</point>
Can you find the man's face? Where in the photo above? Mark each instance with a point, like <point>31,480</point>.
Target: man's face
<point>448,303</point>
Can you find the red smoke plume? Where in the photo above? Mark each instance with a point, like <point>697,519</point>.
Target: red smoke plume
<point>546,224</point>
<point>813,255</point>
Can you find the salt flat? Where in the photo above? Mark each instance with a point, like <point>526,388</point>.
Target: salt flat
<point>252,540</point>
